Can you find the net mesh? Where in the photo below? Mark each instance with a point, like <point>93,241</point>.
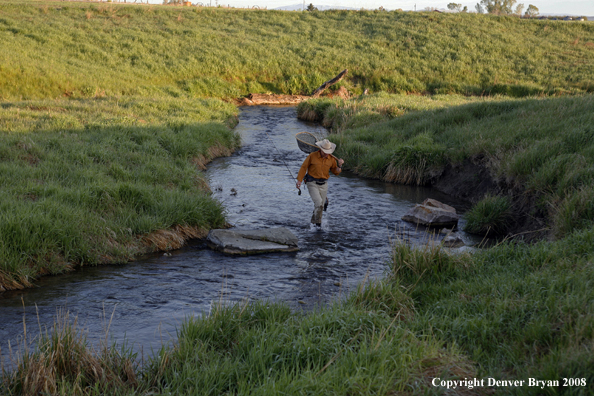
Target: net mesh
<point>307,142</point>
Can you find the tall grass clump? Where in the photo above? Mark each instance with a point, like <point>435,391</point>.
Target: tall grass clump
<point>492,215</point>
<point>576,211</point>
<point>314,110</point>
<point>92,181</point>
<point>82,50</point>
<point>431,261</point>
<point>63,363</point>
<point>263,348</point>
<point>384,296</point>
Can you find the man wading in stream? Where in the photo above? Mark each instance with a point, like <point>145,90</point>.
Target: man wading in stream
<point>318,165</point>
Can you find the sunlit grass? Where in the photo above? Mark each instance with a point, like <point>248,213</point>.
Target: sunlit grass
<point>55,49</point>
<point>87,181</point>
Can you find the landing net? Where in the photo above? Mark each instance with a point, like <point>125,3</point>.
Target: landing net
<point>307,142</point>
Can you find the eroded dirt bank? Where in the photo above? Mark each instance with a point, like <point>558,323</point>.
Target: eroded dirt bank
<point>472,180</point>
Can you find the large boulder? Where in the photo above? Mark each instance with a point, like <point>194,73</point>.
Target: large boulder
<point>432,213</point>
<point>252,241</point>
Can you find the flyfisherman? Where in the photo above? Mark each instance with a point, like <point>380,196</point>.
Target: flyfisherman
<point>315,171</point>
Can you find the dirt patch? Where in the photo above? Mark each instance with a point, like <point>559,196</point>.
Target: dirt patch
<point>468,181</point>
<point>275,99</point>
<point>270,99</point>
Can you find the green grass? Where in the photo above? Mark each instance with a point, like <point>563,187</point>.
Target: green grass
<point>492,215</point>
<point>374,146</point>
<point>259,348</point>
<point>519,311</point>
<point>539,146</point>
<point>87,181</point>
<point>94,177</point>
<point>54,49</point>
<point>264,349</point>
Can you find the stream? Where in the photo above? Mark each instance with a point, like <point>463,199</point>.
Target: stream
<point>143,302</point>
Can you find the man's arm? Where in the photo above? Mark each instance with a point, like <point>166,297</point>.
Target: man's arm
<point>303,170</point>
<point>336,169</point>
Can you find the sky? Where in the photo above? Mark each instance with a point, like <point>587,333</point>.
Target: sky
<point>572,7</point>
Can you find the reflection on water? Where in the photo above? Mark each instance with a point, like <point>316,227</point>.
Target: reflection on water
<point>150,297</point>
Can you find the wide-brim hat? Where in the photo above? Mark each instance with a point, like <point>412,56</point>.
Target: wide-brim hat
<point>326,146</point>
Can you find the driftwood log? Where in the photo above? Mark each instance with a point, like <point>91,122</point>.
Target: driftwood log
<point>273,99</point>
<point>328,83</point>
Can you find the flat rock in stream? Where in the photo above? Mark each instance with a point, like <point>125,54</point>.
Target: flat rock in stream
<point>432,213</point>
<point>244,242</point>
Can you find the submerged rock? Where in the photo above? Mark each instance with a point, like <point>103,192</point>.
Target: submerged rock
<point>243,242</point>
<point>432,213</point>
<point>451,239</point>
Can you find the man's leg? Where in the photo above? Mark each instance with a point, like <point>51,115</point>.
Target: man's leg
<point>318,196</point>
<point>323,195</point>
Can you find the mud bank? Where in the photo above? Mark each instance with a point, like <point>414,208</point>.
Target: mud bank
<point>270,99</point>
<point>286,100</point>
<point>472,180</point>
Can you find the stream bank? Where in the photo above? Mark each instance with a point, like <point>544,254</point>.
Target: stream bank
<point>150,297</point>
<point>427,140</point>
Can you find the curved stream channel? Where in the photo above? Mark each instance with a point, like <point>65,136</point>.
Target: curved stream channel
<point>144,301</point>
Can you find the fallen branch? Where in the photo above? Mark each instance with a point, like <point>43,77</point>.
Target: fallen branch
<point>328,83</point>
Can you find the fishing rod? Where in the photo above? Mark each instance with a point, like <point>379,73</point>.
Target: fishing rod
<point>284,163</point>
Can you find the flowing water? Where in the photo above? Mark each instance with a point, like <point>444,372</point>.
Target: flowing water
<point>144,301</point>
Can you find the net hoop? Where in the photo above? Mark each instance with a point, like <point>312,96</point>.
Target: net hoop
<point>307,142</point>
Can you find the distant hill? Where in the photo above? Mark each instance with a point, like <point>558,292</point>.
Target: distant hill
<point>589,18</point>
<point>77,51</point>
<point>299,7</point>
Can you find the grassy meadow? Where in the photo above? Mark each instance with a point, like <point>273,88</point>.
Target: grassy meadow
<point>108,110</point>
<point>56,49</point>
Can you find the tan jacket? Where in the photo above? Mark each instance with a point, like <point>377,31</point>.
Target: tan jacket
<point>318,167</point>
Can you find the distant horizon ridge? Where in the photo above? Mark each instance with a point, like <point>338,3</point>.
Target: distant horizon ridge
<point>299,6</point>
